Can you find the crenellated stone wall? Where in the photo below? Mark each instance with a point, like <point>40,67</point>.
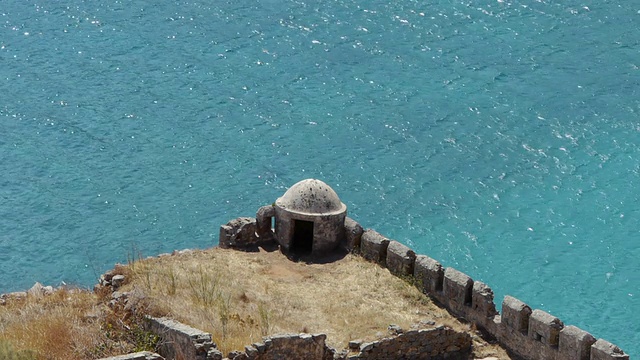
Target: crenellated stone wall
<point>529,333</point>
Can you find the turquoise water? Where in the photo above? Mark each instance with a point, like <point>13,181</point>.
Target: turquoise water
<point>500,138</point>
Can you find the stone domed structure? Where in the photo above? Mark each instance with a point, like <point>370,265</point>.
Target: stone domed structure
<point>309,219</point>
<point>311,197</point>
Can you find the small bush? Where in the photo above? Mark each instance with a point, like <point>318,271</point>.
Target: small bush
<point>204,287</point>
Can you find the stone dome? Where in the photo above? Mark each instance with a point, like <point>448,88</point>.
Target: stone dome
<point>311,196</point>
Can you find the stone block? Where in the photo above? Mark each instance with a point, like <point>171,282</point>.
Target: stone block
<point>575,343</point>
<point>515,314</point>
<point>214,354</point>
<point>353,234</point>
<point>429,273</point>
<point>319,338</point>
<point>373,246</point>
<point>545,327</point>
<point>238,233</point>
<point>251,351</point>
<point>457,289</point>
<point>261,347</point>
<point>264,218</point>
<point>436,343</point>
<point>117,281</point>
<point>295,346</point>
<point>37,290</point>
<point>177,339</point>
<point>482,300</point>
<point>604,350</point>
<point>354,344</point>
<point>400,259</point>
<point>142,355</point>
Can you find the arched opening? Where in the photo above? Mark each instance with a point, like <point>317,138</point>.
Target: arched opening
<point>302,242</point>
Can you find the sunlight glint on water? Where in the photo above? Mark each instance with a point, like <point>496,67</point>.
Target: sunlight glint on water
<point>497,137</point>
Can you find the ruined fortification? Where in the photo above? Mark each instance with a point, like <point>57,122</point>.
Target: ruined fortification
<point>528,333</point>
<point>309,221</point>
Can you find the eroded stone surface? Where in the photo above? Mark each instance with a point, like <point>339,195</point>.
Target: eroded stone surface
<point>515,314</point>
<point>575,343</point>
<point>373,246</point>
<point>238,233</point>
<point>400,259</point>
<point>544,327</point>
<point>429,273</point>
<point>604,350</point>
<point>353,234</point>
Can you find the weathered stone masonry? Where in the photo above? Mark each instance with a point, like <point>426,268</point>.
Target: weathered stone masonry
<point>531,334</point>
<point>181,342</point>
<point>433,344</point>
<point>528,333</point>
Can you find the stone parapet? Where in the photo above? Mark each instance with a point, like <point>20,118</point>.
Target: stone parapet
<point>604,350</point>
<point>373,246</point>
<point>352,234</point>
<point>457,290</point>
<point>429,275</point>
<point>437,343</point>
<point>515,314</point>
<point>287,346</point>
<point>238,233</point>
<point>483,309</point>
<point>179,341</point>
<point>530,334</point>
<point>545,328</point>
<point>264,219</point>
<point>575,343</point>
<point>400,259</point>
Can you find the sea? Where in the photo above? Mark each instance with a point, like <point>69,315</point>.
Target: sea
<point>500,137</point>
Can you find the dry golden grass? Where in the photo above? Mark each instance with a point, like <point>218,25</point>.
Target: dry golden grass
<point>63,325</point>
<point>239,297</point>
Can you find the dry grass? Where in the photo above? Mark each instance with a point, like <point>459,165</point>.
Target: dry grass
<point>239,297</point>
<point>63,325</point>
<point>70,324</point>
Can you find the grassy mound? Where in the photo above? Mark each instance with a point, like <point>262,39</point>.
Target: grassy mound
<point>238,297</point>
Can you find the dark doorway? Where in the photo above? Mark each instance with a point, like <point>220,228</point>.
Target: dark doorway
<point>302,238</point>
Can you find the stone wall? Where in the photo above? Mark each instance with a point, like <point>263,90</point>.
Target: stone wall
<point>529,333</point>
<point>239,233</point>
<point>142,355</point>
<point>287,346</point>
<point>526,332</point>
<point>437,343</point>
<point>181,342</point>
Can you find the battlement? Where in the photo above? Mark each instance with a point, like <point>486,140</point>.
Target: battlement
<point>528,333</point>
<point>532,334</point>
